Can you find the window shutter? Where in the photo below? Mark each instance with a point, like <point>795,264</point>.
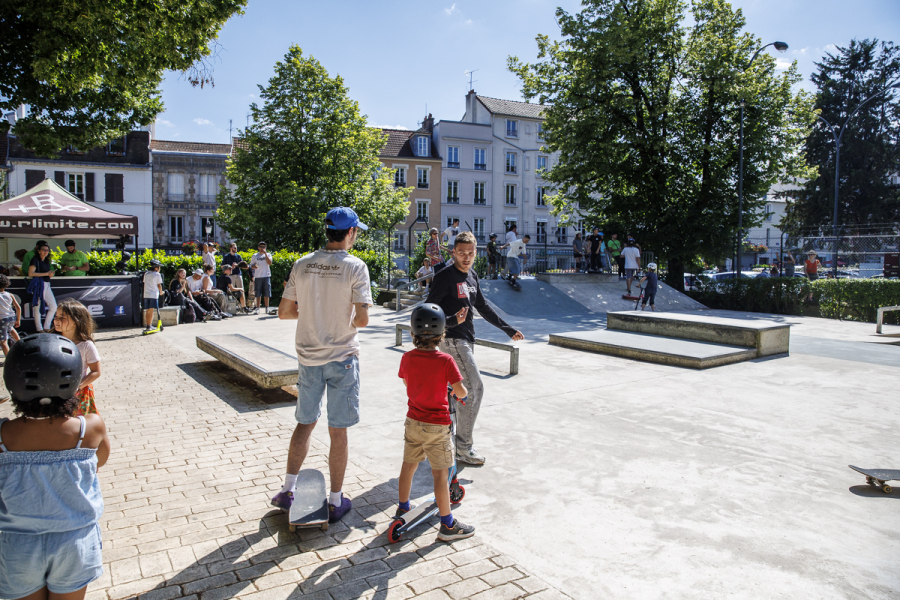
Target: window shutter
<point>32,178</point>
<point>89,187</point>
<point>114,188</point>
<point>60,177</point>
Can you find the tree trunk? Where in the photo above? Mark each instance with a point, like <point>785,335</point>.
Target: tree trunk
<point>675,273</point>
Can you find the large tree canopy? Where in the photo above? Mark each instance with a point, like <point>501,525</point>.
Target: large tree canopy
<point>308,150</point>
<point>870,145</point>
<point>90,71</point>
<point>644,113</point>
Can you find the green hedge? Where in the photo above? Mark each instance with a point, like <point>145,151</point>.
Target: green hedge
<point>851,299</point>
<point>104,263</point>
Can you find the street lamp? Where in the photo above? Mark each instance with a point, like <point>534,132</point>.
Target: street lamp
<point>837,166</point>
<point>208,228</point>
<point>159,230</point>
<point>781,47</point>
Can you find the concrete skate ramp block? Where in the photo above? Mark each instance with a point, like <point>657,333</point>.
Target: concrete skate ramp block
<point>537,299</point>
<point>268,367</point>
<point>767,337</point>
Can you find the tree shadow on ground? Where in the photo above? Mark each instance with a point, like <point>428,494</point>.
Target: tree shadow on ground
<point>238,391</point>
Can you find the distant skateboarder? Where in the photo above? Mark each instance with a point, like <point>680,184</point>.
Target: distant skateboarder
<point>652,286</point>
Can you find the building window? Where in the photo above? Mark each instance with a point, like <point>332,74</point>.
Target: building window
<point>400,177</point>
<point>209,187</point>
<point>541,228</point>
<point>541,164</point>
<point>115,185</point>
<point>452,157</point>
<point>176,230</point>
<point>508,223</point>
<point>512,128</point>
<point>540,131</point>
<point>116,147</point>
<point>478,229</point>
<point>176,187</point>
<point>76,185</point>
<point>510,194</point>
<point>579,227</point>
<point>422,178</point>
<point>450,220</point>
<point>540,196</point>
<point>562,234</point>
<point>480,162</point>
<point>422,210</point>
<point>510,162</point>
<point>453,192</point>
<point>479,193</point>
<point>422,146</point>
<point>399,240</point>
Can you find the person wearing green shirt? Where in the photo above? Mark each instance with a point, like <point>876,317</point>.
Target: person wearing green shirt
<point>26,260</point>
<point>74,262</point>
<point>614,247</point>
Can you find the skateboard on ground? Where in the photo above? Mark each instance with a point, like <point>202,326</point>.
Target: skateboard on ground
<point>514,285</point>
<point>879,477</point>
<point>310,506</point>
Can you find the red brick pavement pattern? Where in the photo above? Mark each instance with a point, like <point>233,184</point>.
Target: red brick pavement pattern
<point>194,462</point>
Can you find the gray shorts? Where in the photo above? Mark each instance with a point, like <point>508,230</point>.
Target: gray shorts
<point>630,272</point>
<point>339,382</point>
<point>262,286</point>
<point>513,264</point>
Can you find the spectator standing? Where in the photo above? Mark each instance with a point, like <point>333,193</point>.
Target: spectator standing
<point>604,255</point>
<point>614,246</point>
<point>232,257</point>
<point>208,252</point>
<point>578,250</point>
<point>595,239</point>
<point>457,290</point>
<point>10,315</point>
<point>789,264</point>
<point>493,256</point>
<point>631,256</point>
<point>74,263</point>
<point>153,289</point>
<point>39,288</point>
<point>262,282</point>
<point>26,260</point>
<point>329,295</point>
<point>433,250</point>
<point>425,271</point>
<point>450,233</point>
<point>74,322</point>
<point>812,265</point>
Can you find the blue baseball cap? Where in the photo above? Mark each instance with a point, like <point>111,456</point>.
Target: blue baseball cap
<point>343,218</point>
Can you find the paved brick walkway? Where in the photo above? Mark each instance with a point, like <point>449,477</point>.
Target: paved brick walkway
<point>194,462</point>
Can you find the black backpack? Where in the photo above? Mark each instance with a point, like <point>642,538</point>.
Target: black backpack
<point>187,313</point>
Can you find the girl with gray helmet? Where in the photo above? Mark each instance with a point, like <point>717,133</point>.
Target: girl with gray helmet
<point>50,499</point>
<point>652,280</point>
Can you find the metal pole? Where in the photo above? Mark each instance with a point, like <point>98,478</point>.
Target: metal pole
<point>740,232</point>
<point>834,226</point>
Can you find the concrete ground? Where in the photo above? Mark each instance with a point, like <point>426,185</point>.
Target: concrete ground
<point>607,477</point>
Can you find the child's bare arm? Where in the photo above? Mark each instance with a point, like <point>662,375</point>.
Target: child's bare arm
<point>18,311</point>
<point>459,389</point>
<point>404,382</point>
<point>98,430</point>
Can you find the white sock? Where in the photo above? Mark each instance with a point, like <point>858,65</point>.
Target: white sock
<point>290,482</point>
<point>334,498</point>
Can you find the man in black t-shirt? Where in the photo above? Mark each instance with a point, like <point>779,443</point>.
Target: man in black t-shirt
<point>596,240</point>
<point>225,284</point>
<point>456,290</point>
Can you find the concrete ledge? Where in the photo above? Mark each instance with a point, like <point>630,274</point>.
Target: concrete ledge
<point>652,348</point>
<point>577,277</point>
<point>170,315</point>
<point>511,348</point>
<point>767,337</point>
<point>268,367</point>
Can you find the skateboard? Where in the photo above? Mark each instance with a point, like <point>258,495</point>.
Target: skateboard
<point>879,477</point>
<point>514,285</point>
<point>310,506</point>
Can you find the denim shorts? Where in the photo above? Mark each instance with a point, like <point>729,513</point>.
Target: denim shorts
<point>63,562</point>
<point>262,286</point>
<point>513,264</point>
<point>6,323</point>
<point>340,379</point>
<point>151,303</point>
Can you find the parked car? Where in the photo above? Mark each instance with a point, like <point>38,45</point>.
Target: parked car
<point>713,280</point>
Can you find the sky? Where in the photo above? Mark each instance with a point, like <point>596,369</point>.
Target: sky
<point>402,59</point>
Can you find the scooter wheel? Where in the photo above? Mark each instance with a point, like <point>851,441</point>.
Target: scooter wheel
<point>394,534</point>
<point>457,494</point>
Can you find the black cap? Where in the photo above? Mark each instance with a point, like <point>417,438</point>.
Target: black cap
<point>69,243</point>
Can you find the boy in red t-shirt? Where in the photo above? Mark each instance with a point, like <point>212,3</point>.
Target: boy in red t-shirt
<point>426,372</point>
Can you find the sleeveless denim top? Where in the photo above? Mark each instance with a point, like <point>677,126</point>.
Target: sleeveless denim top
<point>49,491</point>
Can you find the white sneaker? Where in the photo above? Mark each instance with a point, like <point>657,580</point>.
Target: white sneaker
<point>470,456</point>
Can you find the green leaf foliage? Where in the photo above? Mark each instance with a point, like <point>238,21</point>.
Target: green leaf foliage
<point>308,150</point>
<point>90,71</point>
<point>644,111</point>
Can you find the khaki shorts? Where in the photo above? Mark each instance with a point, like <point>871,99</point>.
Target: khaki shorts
<point>426,440</point>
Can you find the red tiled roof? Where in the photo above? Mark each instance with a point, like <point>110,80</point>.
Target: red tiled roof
<point>189,147</point>
<point>513,108</point>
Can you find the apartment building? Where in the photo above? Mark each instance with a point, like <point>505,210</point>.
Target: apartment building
<point>418,166</point>
<point>187,177</point>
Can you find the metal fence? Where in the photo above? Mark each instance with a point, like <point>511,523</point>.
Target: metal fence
<point>857,256</point>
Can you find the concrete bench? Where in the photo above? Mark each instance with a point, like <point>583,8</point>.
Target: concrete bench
<point>879,320</point>
<point>170,316</point>
<point>268,367</point>
<point>512,349</point>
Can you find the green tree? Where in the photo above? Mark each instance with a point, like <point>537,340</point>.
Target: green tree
<point>307,151</point>
<point>870,146</point>
<point>644,113</point>
<point>90,71</point>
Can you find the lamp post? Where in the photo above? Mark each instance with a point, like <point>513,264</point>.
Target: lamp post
<point>837,167</point>
<point>781,47</point>
<point>208,228</point>
<point>159,230</point>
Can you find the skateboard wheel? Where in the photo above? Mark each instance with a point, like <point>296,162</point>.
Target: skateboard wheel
<point>869,480</point>
<point>292,528</point>
<point>887,489</point>
<point>394,533</point>
<point>324,526</point>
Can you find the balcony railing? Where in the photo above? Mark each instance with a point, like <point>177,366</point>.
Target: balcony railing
<point>175,198</point>
<point>481,201</point>
<point>480,166</point>
<point>512,133</point>
<point>452,165</point>
<point>510,201</point>
<point>452,199</point>
<point>401,183</point>
<point>423,185</point>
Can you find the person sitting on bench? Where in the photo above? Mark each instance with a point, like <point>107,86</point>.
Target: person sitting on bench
<point>225,283</point>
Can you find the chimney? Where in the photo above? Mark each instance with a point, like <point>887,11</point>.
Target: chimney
<point>470,107</point>
<point>428,122</point>
<point>20,112</point>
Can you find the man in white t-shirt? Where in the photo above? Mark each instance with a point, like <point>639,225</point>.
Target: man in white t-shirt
<point>513,261</point>
<point>262,275</point>
<point>450,233</point>
<point>632,258</point>
<point>425,271</point>
<point>329,295</point>
<point>153,287</point>
<point>511,236</point>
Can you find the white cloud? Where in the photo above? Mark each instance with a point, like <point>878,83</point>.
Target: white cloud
<point>782,63</point>
<point>451,10</point>
<point>202,121</point>
<point>800,52</point>
<point>391,127</point>
<point>164,123</point>
<point>468,21</point>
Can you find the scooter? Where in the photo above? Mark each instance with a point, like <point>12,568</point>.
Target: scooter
<point>429,508</point>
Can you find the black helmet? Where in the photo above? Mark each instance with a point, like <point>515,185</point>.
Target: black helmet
<point>155,263</point>
<point>43,365</point>
<point>427,319</point>
<point>493,235</point>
